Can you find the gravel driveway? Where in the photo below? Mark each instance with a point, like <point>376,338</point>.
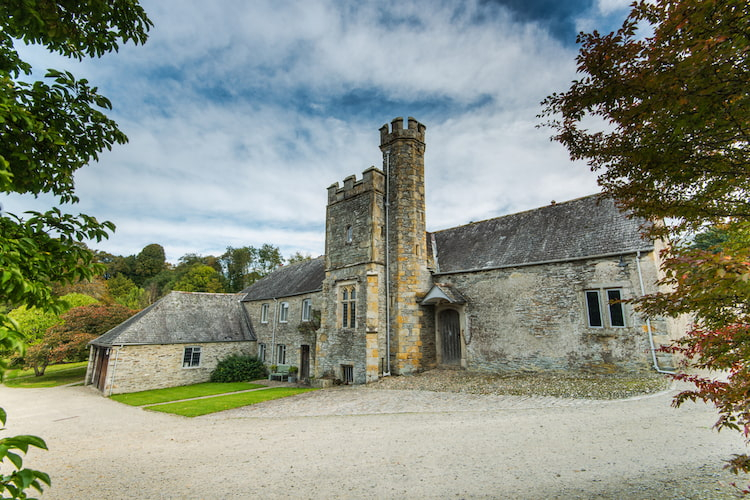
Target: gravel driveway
<point>364,442</point>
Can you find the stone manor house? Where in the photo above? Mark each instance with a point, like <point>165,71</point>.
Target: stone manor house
<point>536,290</point>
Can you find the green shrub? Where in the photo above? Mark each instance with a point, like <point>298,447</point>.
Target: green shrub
<point>238,368</point>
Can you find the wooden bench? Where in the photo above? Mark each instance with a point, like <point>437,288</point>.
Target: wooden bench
<point>282,372</point>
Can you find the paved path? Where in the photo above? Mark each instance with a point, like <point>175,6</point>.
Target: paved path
<point>367,443</point>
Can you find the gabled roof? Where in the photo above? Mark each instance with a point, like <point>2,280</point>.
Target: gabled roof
<point>584,227</point>
<point>295,279</point>
<point>184,317</point>
<point>443,292</point>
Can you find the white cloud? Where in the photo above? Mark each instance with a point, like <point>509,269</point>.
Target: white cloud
<point>232,109</point>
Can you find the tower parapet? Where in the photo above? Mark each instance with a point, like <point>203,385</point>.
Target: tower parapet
<point>414,130</point>
<point>372,180</point>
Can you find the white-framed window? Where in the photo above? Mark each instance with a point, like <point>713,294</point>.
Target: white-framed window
<point>614,311</point>
<point>348,297</point>
<point>191,358</point>
<point>306,310</point>
<point>280,354</point>
<point>283,312</point>
<point>264,313</point>
<point>262,352</point>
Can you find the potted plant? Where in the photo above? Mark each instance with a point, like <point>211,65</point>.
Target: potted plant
<point>293,374</point>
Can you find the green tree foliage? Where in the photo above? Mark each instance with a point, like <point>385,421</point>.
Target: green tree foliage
<point>200,278</point>
<point>124,292</point>
<point>245,265</point>
<point>20,479</point>
<point>712,238</point>
<point>48,130</point>
<point>239,368</point>
<point>33,322</point>
<point>68,340</point>
<point>298,257</point>
<point>662,112</point>
<point>149,262</point>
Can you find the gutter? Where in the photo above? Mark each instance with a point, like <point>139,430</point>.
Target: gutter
<point>387,371</point>
<point>648,321</point>
<point>273,331</point>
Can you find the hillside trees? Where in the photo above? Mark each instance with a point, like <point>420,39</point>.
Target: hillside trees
<point>200,278</point>
<point>68,340</point>
<point>662,113</point>
<point>139,280</point>
<point>245,265</point>
<point>48,130</point>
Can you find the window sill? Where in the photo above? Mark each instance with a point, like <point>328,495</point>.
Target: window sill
<point>603,334</point>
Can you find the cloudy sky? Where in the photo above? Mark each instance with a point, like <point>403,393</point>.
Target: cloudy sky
<point>241,113</point>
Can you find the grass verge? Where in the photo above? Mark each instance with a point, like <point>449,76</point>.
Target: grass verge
<point>197,407</point>
<point>183,392</point>
<point>54,375</point>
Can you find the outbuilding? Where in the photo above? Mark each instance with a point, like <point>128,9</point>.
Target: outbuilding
<point>176,341</point>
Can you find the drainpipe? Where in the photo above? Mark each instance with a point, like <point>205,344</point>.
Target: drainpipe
<point>114,371</point>
<point>648,321</point>
<point>387,266</point>
<point>273,331</point>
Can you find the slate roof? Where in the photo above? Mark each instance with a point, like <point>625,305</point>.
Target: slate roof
<point>295,279</point>
<point>585,227</point>
<point>184,317</point>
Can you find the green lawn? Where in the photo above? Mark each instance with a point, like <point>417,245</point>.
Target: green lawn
<point>54,375</point>
<point>182,392</point>
<point>197,407</point>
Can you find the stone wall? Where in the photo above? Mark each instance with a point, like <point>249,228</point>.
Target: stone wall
<point>135,368</point>
<point>534,317</point>
<point>339,345</point>
<point>292,333</point>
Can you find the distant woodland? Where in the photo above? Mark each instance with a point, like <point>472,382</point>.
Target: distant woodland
<point>126,285</point>
<point>136,281</point>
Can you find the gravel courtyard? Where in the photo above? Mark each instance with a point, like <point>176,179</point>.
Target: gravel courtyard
<point>377,442</point>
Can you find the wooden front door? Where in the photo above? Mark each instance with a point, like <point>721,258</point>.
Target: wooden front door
<point>304,368</point>
<point>100,370</point>
<point>450,336</point>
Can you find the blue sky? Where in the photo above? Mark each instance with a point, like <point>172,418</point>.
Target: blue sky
<point>241,113</point>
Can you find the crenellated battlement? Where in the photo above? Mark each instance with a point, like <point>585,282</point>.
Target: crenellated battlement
<point>414,130</point>
<point>372,180</point>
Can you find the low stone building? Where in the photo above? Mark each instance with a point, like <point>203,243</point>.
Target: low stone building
<point>178,340</point>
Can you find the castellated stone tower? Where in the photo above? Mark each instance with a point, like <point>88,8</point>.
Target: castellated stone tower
<point>376,266</point>
<point>411,342</point>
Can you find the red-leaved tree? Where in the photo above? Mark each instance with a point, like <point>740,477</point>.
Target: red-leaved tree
<point>69,341</point>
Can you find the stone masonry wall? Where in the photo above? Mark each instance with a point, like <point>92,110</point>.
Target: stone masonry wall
<point>273,332</point>
<point>534,318</point>
<point>144,367</point>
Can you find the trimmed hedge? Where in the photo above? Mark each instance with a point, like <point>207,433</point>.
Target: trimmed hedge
<point>239,368</point>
